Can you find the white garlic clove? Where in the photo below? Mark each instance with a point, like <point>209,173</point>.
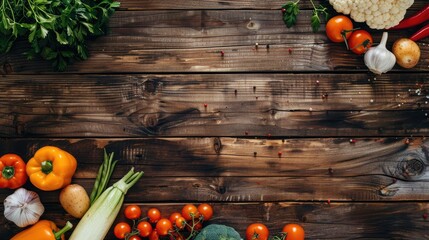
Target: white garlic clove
<point>378,59</point>
<point>23,207</point>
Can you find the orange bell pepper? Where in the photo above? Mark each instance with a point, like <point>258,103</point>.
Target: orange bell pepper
<point>43,230</point>
<point>51,168</point>
<point>12,169</point>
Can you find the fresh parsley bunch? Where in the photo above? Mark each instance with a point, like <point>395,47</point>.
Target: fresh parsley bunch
<point>56,30</point>
<point>291,10</point>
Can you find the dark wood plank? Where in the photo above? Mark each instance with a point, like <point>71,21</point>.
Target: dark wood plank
<point>191,41</point>
<point>226,169</point>
<point>320,220</point>
<point>255,189</point>
<point>214,105</point>
<point>225,4</point>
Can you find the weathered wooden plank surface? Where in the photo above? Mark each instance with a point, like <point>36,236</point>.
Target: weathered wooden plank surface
<point>214,105</point>
<point>229,169</point>
<point>224,4</point>
<point>253,189</point>
<point>401,220</point>
<point>273,140</point>
<point>191,41</point>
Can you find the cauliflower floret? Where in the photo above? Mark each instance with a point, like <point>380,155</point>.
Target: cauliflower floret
<point>378,14</point>
<point>343,6</point>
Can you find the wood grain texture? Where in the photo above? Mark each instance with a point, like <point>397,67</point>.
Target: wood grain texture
<point>230,169</point>
<point>320,220</point>
<point>298,132</point>
<point>214,105</point>
<point>225,4</point>
<point>191,41</point>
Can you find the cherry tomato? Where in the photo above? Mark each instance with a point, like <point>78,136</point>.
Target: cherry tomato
<point>360,41</point>
<point>174,216</point>
<point>180,222</point>
<point>154,235</point>
<point>190,211</point>
<point>121,229</point>
<point>294,232</point>
<point>257,231</point>
<point>145,228</point>
<point>336,26</point>
<point>206,211</point>
<point>133,212</point>
<point>134,237</point>
<point>164,226</point>
<point>154,215</point>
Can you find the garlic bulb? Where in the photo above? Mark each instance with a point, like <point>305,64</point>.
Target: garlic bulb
<point>378,59</point>
<point>23,207</point>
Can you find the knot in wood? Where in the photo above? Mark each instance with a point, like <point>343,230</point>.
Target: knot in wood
<point>412,167</point>
<point>217,145</point>
<point>221,189</point>
<point>150,120</point>
<point>151,85</point>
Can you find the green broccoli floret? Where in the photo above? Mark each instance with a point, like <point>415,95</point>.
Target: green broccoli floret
<point>218,232</point>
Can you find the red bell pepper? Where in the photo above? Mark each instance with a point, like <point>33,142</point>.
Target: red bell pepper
<point>12,169</point>
<point>414,20</point>
<point>420,34</point>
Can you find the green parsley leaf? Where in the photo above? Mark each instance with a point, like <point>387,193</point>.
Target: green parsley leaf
<point>315,22</point>
<point>291,11</point>
<point>56,30</point>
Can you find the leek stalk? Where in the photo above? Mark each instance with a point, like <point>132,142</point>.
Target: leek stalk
<point>97,221</point>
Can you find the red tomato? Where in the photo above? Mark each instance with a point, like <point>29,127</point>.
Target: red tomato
<point>134,237</point>
<point>337,26</point>
<point>180,222</point>
<point>294,232</point>
<point>174,216</point>
<point>206,211</point>
<point>154,215</point>
<point>164,226</point>
<point>257,231</point>
<point>189,211</point>
<point>121,229</point>
<point>154,235</point>
<point>133,212</point>
<point>360,41</point>
<point>145,228</point>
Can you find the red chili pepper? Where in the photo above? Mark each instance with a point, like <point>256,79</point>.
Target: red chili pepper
<point>414,20</point>
<point>420,34</point>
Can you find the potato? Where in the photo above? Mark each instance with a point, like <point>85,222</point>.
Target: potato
<point>407,52</point>
<point>74,200</point>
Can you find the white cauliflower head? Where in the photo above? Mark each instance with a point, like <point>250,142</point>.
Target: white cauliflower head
<point>378,14</point>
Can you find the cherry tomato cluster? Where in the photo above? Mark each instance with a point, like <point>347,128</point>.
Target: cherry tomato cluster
<point>258,231</point>
<point>183,225</point>
<point>340,29</point>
